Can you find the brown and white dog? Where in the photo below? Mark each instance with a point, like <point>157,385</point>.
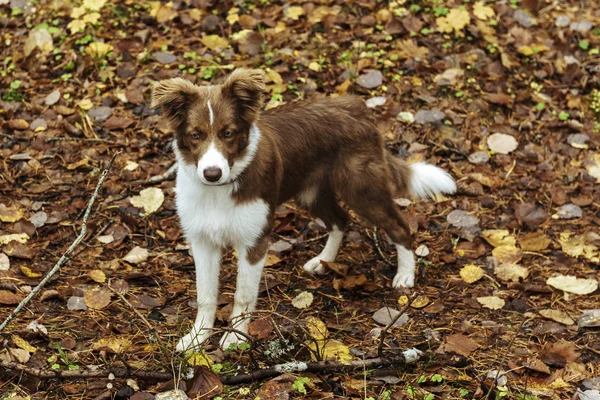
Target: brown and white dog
<point>236,164</point>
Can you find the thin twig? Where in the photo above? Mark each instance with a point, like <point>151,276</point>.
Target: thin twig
<point>118,372</point>
<point>65,256</point>
<point>392,322</point>
<point>166,176</point>
<point>376,241</point>
<point>76,139</point>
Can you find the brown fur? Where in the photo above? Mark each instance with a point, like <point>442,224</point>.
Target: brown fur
<point>326,146</point>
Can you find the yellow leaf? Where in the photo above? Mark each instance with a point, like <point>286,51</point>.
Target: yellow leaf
<point>150,199</point>
<point>573,284</point>
<point>280,27</point>
<point>498,237</point>
<point>402,300</point>
<point>91,18</point>
<point>303,300</point>
<point>76,25</point>
<point>507,254</point>
<point>94,5</point>
<point>14,237</point>
<point>410,49</point>
<point>195,14</point>
<point>482,11</point>
<point>97,276</point>
<point>558,316</point>
<point>511,272</point>
<point>28,272</point>
<point>525,50</point>
<point>77,12</point>
<point>456,21</point>
<point>78,164</point>
<point>332,350</point>
<point>534,241</point>
<point>214,42</point>
<point>491,302</point>
<point>112,344</point>
<point>233,18</point>
<point>198,359</point>
<point>22,343</point>
<point>321,12</point>
<point>315,66</point>
<point>98,49</point>
<point>294,12</point>
<point>471,273</point>
<point>593,167</point>
<point>420,302</point>
<point>577,246</point>
<point>85,104</point>
<point>272,259</point>
<point>317,328</point>
<point>273,76</point>
<point>342,88</point>
<point>10,214</point>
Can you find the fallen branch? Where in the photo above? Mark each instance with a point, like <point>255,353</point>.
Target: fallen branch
<point>407,357</point>
<point>392,322</point>
<point>65,256</point>
<point>166,176</point>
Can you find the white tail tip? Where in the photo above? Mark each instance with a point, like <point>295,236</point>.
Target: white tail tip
<point>429,182</point>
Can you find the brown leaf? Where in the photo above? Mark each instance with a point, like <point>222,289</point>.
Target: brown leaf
<point>9,298</point>
<point>500,99</point>
<point>341,269</point>
<point>204,384</point>
<point>274,390</point>
<point>118,122</point>
<point>534,241</point>
<point>459,344</point>
<point>349,282</point>
<point>97,299</point>
<point>260,328</point>
<point>532,215</point>
<point>146,302</point>
<point>535,364</point>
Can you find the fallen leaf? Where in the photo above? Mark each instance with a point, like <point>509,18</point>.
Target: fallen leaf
<point>260,328</point>
<point>593,166</point>
<point>507,254</point>
<point>456,20</point>
<point>534,241</point>
<point>536,365</point>
<point>462,219</point>
<point>422,251</point>
<point>511,272</point>
<point>319,13</point>
<point>573,284</point>
<point>97,299</point>
<point>410,49</point>
<point>340,269</point>
<point>558,316</point>
<point>483,12</point>
<point>498,237</point>
<point>531,214</point>
<point>199,358</point>
<point>385,315</point>
<point>9,298</point>
<point>272,259</point>
<point>568,211</point>
<point>371,79</point>
<point>22,356</point>
<point>317,328</point>
<point>136,255</point>
<point>22,343</point>
<point>38,39</point>
<point>274,390</point>
<point>28,272</point>
<point>293,12</point>
<point>491,302</point>
<point>4,262</point>
<point>331,350</point>
<point>459,344</point>
<point>349,282</point>
<point>149,199</point>
<point>204,384</point>
<point>502,143</point>
<point>214,42</point>
<point>577,245</point>
<point>303,300</point>
<point>98,50</point>
<point>589,318</point>
<point>420,302</point>
<point>112,344</point>
<point>471,273</point>
<point>97,276</point>
<point>14,237</point>
<point>10,214</point>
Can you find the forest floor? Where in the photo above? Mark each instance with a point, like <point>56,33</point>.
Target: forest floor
<point>505,95</point>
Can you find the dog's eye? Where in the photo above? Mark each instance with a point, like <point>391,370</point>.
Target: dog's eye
<point>195,136</point>
<point>227,134</point>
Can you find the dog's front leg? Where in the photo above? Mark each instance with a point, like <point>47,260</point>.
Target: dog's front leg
<point>251,261</point>
<point>207,258</point>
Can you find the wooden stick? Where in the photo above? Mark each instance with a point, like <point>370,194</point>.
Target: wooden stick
<point>392,322</point>
<point>65,256</point>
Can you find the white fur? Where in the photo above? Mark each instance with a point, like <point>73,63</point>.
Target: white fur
<point>213,158</point>
<point>211,220</point>
<point>405,277</point>
<point>246,294</point>
<point>429,181</point>
<point>328,254</point>
<point>308,196</point>
<point>240,165</point>
<point>211,116</point>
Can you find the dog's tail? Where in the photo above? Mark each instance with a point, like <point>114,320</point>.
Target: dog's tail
<point>419,180</point>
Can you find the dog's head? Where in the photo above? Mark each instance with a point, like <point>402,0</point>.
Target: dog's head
<point>213,125</point>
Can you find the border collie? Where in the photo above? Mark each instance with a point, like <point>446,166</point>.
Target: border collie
<point>236,164</point>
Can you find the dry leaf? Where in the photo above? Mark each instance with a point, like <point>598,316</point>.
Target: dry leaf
<point>558,316</point>
<point>578,246</point>
<point>502,143</point>
<point>331,350</point>
<point>4,262</point>
<point>9,298</point>
<point>28,272</point>
<point>97,299</point>
<point>456,20</point>
<point>22,356</point>
<point>471,273</point>
<point>483,12</point>
<point>573,284</point>
<point>321,12</point>
<point>199,358</point>
<point>38,39</point>
<point>420,302</point>
<point>303,300</point>
<point>22,343</point>
<point>491,302</point>
<point>507,254</point>
<point>511,272</point>
<point>214,42</point>
<point>97,276</point>
<point>459,344</point>
<point>593,167</point>
<point>98,49</point>
<point>272,259</point>
<point>112,344</point>
<point>260,328</point>
<point>205,384</point>
<point>10,214</point>
<point>150,199</point>
<point>293,12</point>
<point>409,49</point>
<point>317,328</point>
<point>498,237</point>
<point>534,241</point>
<point>385,315</point>
<point>14,237</point>
<point>136,255</point>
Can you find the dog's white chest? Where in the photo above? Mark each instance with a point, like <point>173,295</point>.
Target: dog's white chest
<point>210,212</point>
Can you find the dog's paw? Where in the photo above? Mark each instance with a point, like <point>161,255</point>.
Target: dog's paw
<point>192,341</point>
<point>314,266</point>
<point>403,280</point>
<point>231,340</point>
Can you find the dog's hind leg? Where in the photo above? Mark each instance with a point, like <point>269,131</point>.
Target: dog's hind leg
<point>251,261</point>
<point>322,204</point>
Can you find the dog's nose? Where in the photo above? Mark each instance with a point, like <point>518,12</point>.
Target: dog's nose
<point>212,174</point>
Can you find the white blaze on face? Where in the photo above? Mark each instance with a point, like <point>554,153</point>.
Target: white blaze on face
<point>211,116</point>
<point>213,158</point>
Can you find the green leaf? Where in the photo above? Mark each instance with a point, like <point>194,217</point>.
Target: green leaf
<point>540,106</point>
<point>436,378</point>
<point>584,44</point>
<point>563,115</point>
<point>15,84</point>
<point>299,384</point>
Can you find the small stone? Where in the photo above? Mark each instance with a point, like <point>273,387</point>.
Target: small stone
<point>39,125</point>
<point>462,219</point>
<point>581,26</point>
<point>568,211</point>
<point>76,303</point>
<point>406,117</point>
<point>370,79</point>
<point>479,157</point>
<point>376,101</point>
<point>100,113</point>
<point>562,21</point>
<point>164,57</point>
<point>52,98</point>
<point>524,19</point>
<point>433,116</point>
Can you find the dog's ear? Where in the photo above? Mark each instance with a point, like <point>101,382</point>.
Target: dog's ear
<point>246,86</point>
<point>174,97</point>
